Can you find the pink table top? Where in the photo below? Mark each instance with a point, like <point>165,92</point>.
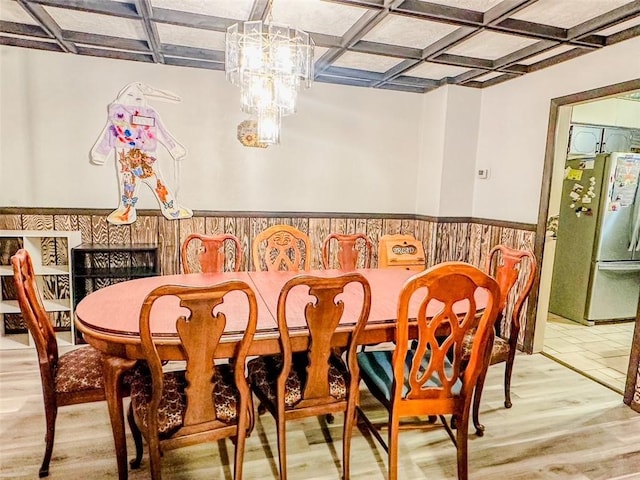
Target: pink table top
<point>115,309</point>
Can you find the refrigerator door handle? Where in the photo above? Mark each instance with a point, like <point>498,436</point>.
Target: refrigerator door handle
<point>625,266</point>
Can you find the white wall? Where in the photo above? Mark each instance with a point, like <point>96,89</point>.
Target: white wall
<point>346,150</point>
<point>513,127</point>
<point>448,142</point>
<point>432,134</point>
<point>616,112</point>
<point>461,138</point>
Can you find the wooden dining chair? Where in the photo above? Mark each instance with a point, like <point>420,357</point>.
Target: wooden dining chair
<point>210,257</point>
<point>515,271</point>
<point>207,401</point>
<point>430,377</point>
<point>353,250</point>
<point>69,379</point>
<point>316,382</point>
<point>281,247</point>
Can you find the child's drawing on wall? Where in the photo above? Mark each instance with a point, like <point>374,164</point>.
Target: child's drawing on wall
<point>133,131</point>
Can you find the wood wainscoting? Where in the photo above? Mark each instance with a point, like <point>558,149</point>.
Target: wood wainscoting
<point>444,239</point>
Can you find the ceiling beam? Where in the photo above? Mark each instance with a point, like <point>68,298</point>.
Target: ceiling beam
<point>145,11</point>
<point>504,9</point>
<point>354,82</point>
<point>46,34</point>
<point>440,13</point>
<point>364,25</point>
<point>192,20</point>
<point>353,73</point>
<point>429,52</point>
<point>188,62</point>
<point>23,29</point>
<point>259,10</point>
<point>33,44</point>
<point>115,54</point>
<point>623,35</point>
<point>116,9</point>
<point>48,24</point>
<point>115,43</point>
<point>205,54</point>
<point>526,52</point>
<point>460,61</point>
<point>387,50</point>
<point>613,17</point>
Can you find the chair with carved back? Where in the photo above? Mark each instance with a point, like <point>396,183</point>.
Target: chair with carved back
<point>353,250</point>
<point>515,271</point>
<point>281,247</point>
<point>430,377</point>
<point>210,256</point>
<point>207,401</point>
<point>315,382</point>
<point>68,379</point>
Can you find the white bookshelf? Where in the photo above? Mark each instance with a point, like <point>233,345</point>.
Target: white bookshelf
<point>51,255</point>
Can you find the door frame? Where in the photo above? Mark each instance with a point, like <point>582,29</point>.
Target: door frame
<point>543,212</point>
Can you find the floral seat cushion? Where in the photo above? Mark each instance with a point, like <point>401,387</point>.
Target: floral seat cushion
<point>173,405</point>
<point>499,351</point>
<point>79,369</point>
<point>264,371</point>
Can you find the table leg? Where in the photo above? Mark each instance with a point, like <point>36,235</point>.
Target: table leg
<point>113,368</point>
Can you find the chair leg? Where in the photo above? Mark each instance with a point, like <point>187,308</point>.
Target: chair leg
<point>137,439</point>
<point>155,458</point>
<point>51,412</point>
<point>462,435</point>
<point>349,420</point>
<point>282,446</point>
<point>508,369</point>
<point>477,396</point>
<point>392,441</point>
<point>237,462</point>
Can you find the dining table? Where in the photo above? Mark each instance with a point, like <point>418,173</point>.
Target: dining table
<point>108,319</point>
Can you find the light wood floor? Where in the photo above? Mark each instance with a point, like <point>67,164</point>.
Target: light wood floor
<point>562,426</point>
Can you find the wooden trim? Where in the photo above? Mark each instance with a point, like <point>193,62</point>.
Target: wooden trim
<point>633,370</point>
<point>609,90</point>
<point>530,227</point>
<point>632,385</point>
<point>255,214</point>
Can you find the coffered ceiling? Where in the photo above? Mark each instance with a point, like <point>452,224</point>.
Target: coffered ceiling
<point>408,45</point>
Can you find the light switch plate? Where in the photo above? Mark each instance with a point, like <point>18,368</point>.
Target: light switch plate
<point>483,173</point>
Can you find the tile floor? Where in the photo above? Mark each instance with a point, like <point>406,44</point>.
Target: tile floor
<point>600,352</point>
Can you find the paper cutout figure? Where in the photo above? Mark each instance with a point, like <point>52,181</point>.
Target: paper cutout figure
<point>133,131</point>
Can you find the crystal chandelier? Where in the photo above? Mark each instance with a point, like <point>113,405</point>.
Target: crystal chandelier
<point>269,63</point>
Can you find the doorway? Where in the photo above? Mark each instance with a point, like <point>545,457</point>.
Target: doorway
<point>600,352</point>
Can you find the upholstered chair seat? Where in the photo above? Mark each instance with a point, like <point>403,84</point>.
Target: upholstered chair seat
<point>499,353</point>
<point>264,371</point>
<point>79,369</point>
<point>376,367</point>
<point>174,401</point>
